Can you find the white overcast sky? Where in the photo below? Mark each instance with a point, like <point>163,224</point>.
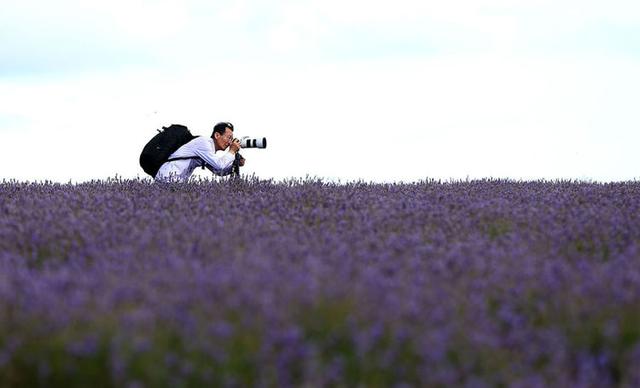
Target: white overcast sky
<point>371,90</point>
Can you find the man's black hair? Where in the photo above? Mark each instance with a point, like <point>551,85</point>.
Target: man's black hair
<point>221,128</point>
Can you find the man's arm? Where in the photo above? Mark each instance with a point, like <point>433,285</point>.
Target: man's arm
<point>221,163</point>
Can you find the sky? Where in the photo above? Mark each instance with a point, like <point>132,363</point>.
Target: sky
<point>343,90</point>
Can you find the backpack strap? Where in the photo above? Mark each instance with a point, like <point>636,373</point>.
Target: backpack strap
<point>203,163</point>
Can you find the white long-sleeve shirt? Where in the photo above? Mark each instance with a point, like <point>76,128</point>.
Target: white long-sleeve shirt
<point>220,163</point>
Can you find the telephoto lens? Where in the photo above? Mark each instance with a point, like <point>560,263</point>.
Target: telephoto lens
<point>249,142</point>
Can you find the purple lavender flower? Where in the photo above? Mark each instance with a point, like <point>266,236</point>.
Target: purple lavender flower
<point>303,282</point>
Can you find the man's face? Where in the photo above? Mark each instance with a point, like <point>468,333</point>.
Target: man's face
<point>224,141</point>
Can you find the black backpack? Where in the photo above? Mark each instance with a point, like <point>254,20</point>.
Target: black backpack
<point>161,146</point>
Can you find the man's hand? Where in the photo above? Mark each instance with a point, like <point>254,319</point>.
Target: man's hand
<point>234,146</point>
<point>241,162</point>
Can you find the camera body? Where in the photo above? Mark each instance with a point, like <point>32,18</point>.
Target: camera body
<point>250,142</point>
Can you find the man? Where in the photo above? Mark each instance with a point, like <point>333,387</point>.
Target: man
<point>202,149</point>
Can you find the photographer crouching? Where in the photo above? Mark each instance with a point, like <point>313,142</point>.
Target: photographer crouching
<point>203,152</point>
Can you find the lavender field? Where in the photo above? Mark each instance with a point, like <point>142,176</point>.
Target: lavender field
<point>307,283</point>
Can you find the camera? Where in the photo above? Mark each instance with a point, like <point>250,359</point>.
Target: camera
<point>249,142</point>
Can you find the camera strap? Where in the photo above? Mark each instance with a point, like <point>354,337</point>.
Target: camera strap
<point>236,165</point>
